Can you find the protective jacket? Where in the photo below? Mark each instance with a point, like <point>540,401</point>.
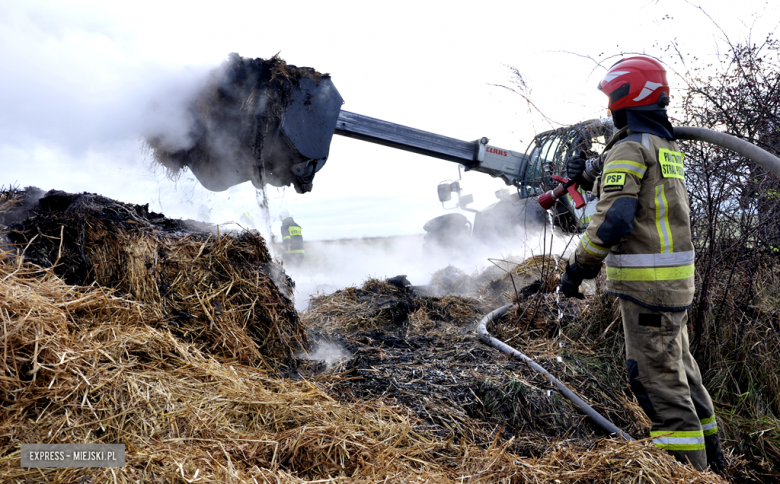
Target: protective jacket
<point>642,223</point>
<point>292,237</point>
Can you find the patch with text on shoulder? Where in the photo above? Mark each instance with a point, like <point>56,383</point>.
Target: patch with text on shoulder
<point>671,163</point>
<point>613,182</point>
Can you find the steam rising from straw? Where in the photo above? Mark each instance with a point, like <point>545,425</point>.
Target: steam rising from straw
<point>328,352</point>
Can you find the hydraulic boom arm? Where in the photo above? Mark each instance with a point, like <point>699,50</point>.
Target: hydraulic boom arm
<point>474,155</point>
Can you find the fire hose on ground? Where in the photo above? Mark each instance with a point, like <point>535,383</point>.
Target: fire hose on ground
<point>596,417</point>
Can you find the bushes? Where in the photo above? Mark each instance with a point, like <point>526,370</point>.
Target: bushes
<point>734,212</point>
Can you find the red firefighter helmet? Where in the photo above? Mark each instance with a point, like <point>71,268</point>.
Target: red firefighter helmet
<point>636,83</point>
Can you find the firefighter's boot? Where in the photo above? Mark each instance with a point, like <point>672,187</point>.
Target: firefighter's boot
<point>715,458</point>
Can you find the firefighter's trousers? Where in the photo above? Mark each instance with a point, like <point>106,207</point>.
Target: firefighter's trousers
<point>292,259</point>
<point>667,384</point>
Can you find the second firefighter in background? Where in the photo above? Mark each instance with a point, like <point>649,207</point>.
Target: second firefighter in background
<point>292,240</point>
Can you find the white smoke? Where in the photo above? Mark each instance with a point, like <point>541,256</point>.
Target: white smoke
<point>336,264</point>
<point>76,89</point>
<point>330,353</point>
<point>77,101</point>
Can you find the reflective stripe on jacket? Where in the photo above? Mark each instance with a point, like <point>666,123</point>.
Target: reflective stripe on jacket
<point>642,223</point>
<point>292,236</point>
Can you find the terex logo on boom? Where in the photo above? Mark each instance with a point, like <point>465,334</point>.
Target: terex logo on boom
<point>490,149</point>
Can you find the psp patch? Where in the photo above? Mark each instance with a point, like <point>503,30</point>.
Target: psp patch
<point>613,182</point>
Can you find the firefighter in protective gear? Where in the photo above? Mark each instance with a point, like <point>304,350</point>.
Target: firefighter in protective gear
<point>642,228</point>
<point>247,219</point>
<point>204,213</point>
<point>292,240</point>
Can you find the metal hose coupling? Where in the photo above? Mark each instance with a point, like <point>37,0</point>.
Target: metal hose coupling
<point>593,167</point>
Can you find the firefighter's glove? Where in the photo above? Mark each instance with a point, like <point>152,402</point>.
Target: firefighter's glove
<point>575,170</point>
<point>573,277</point>
<point>570,288</point>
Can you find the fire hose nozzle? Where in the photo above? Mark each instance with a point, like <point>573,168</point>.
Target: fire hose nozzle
<point>547,200</point>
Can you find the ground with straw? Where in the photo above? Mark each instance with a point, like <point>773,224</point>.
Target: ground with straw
<point>83,365</point>
<point>417,399</point>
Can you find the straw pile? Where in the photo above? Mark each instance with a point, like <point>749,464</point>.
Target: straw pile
<point>216,290</point>
<point>460,391</point>
<point>380,305</point>
<point>512,280</point>
<point>83,365</point>
<point>432,363</point>
<point>450,280</point>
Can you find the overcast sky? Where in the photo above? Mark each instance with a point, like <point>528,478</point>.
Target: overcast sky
<point>79,80</point>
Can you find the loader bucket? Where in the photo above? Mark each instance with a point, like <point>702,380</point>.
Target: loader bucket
<point>257,120</point>
<point>302,146</point>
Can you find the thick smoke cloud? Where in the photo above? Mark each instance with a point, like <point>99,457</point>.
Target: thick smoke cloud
<point>77,101</point>
<point>76,89</point>
<point>333,265</point>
